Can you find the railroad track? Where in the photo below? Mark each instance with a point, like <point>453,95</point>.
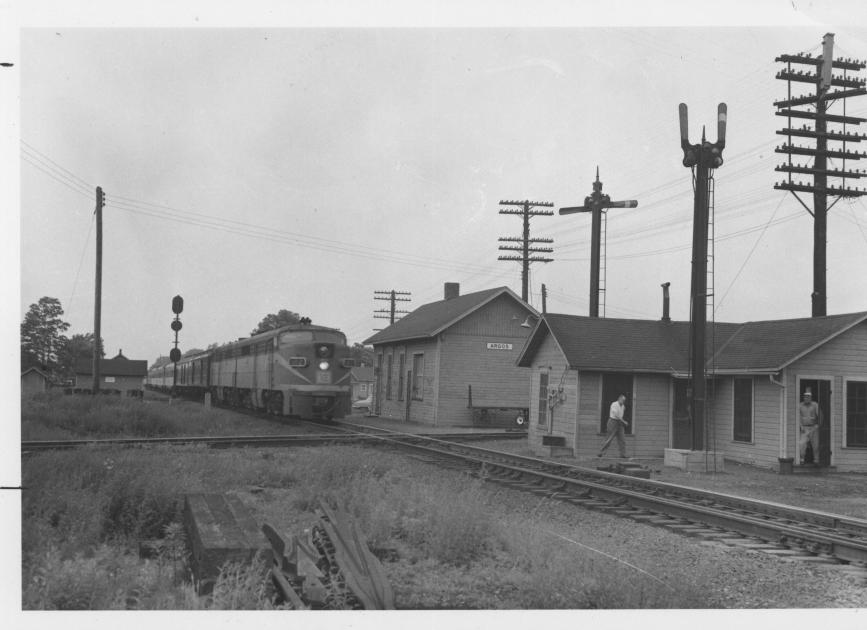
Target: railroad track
<point>784,531</point>
<point>781,530</point>
<point>235,441</point>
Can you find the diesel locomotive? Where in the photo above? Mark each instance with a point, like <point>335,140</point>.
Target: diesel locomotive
<point>300,370</point>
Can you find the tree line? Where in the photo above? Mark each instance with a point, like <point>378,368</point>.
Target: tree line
<point>45,346</point>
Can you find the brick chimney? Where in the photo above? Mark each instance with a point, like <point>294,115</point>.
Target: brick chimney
<point>451,290</point>
<point>665,302</point>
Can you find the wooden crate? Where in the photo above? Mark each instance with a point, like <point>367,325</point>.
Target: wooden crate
<point>220,529</point>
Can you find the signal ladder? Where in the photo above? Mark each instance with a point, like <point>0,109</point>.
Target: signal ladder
<point>603,257</point>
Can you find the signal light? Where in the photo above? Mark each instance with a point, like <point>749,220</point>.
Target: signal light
<point>324,350</point>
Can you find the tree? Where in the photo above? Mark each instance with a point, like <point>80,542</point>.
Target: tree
<point>42,334</point>
<point>159,362</point>
<point>74,349</point>
<point>362,354</point>
<point>276,320</point>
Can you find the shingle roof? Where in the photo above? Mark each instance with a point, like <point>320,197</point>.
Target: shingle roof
<point>603,344</point>
<point>774,344</point>
<point>430,319</point>
<point>113,367</point>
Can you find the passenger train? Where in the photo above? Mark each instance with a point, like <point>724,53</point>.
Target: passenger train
<point>298,370</point>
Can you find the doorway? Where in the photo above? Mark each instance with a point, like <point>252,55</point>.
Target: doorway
<point>681,428</point>
<point>821,392</point>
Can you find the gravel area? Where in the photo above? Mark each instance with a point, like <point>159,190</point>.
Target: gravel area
<point>731,577</point>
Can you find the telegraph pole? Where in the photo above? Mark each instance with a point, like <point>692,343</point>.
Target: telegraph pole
<point>596,204</point>
<point>393,297</point>
<point>702,157</point>
<point>823,79</point>
<point>528,252</point>
<point>97,306</point>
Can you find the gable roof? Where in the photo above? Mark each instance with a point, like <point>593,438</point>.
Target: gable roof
<point>629,345</point>
<point>431,319</point>
<point>362,373</point>
<point>113,367</point>
<point>34,369</point>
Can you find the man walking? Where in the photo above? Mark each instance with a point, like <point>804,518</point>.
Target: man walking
<point>615,426</point>
<point>810,418</point>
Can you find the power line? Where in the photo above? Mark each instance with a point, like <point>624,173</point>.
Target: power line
<point>749,255</point>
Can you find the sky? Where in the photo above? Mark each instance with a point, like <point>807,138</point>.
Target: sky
<point>258,156</point>
<point>255,169</point>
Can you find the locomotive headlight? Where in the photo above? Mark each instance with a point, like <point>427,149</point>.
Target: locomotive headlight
<point>324,365</point>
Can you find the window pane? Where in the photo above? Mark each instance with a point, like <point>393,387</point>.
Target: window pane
<point>388,377</point>
<point>417,376</point>
<point>400,384</point>
<point>743,410</point>
<point>856,413</point>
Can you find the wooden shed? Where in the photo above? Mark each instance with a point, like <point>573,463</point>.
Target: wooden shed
<point>757,371</point>
<point>362,381</point>
<point>33,381</point>
<point>426,363</point>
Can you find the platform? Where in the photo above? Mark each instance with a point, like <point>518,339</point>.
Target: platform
<point>694,461</point>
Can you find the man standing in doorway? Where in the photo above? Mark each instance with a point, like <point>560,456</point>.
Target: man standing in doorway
<point>615,426</point>
<point>810,418</point>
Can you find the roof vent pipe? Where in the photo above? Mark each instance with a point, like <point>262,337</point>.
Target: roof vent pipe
<point>665,302</point>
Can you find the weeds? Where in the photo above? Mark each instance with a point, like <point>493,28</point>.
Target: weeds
<point>86,512</point>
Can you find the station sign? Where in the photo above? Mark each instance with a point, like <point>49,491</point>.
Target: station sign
<point>499,346</point>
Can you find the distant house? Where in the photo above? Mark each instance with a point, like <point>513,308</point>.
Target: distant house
<point>118,375</point>
<point>33,381</point>
<point>757,374</point>
<point>362,380</point>
<point>426,362</point>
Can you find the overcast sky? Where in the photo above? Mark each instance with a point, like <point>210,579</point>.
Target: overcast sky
<point>255,169</point>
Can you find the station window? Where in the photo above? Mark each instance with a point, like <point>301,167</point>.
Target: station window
<point>856,413</point>
<point>388,377</point>
<point>401,360</point>
<point>743,410</point>
<point>417,376</point>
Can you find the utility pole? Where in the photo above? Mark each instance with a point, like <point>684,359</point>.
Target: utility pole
<point>823,79</point>
<point>701,158</point>
<point>97,305</point>
<point>527,250</point>
<point>393,297</point>
<point>596,204</point>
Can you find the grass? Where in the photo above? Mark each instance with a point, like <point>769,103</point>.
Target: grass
<point>56,416</point>
<point>446,538</point>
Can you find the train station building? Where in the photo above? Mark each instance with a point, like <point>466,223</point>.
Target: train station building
<point>453,362</point>
<point>757,374</point>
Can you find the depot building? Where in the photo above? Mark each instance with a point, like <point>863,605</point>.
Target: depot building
<point>453,362</point>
